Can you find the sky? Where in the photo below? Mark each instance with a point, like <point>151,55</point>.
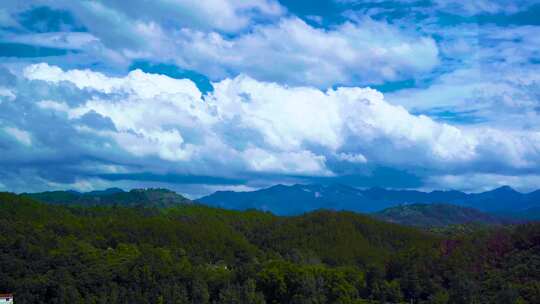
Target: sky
<point>206,95</point>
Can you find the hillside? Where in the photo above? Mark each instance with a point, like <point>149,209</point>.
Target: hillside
<point>160,198</point>
<point>436,215</point>
<point>196,254</point>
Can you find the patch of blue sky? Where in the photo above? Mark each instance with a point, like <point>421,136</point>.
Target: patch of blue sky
<point>44,19</point>
<point>173,71</point>
<point>528,17</point>
<point>452,116</point>
<point>336,11</point>
<point>392,86</point>
<point>531,16</point>
<point>21,50</point>
<point>329,11</point>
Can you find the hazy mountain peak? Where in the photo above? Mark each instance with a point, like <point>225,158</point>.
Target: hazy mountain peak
<point>504,189</point>
<point>107,191</point>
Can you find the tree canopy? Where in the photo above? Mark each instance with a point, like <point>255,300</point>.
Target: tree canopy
<point>196,254</point>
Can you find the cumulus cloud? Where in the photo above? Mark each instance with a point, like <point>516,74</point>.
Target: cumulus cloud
<point>152,123</point>
<point>285,119</point>
<point>136,82</point>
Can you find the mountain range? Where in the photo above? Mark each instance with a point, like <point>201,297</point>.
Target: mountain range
<point>408,207</point>
<point>296,199</point>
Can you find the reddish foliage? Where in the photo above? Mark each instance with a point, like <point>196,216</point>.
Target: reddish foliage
<point>448,246</point>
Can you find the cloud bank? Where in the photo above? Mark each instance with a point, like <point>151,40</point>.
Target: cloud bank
<point>84,123</point>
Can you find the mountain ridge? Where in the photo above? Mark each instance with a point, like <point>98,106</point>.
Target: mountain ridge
<point>303,198</point>
<point>300,198</point>
<point>149,197</point>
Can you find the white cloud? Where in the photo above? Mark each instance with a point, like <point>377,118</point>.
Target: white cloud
<point>53,105</point>
<point>67,40</point>
<point>167,144</point>
<point>507,99</point>
<point>286,117</point>
<point>20,135</point>
<point>136,82</point>
<point>83,185</point>
<point>223,39</point>
<point>302,162</point>
<point>251,126</point>
<point>476,182</point>
<point>229,15</point>
<point>139,28</point>
<point>352,158</point>
<point>494,82</point>
<point>296,53</point>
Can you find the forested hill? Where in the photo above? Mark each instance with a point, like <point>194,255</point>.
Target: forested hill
<point>437,215</point>
<point>196,254</point>
<point>161,198</point>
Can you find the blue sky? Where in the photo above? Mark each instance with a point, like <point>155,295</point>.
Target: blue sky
<point>204,95</point>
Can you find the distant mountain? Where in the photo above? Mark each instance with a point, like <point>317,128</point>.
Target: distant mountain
<point>502,200</point>
<point>497,200</point>
<point>436,215</point>
<point>296,199</point>
<point>160,198</point>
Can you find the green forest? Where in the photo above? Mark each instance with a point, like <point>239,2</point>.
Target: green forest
<point>191,253</point>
